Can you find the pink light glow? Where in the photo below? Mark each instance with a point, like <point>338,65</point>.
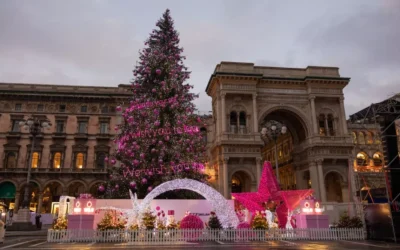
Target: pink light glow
<point>163,170</point>
<point>144,105</point>
<point>161,131</point>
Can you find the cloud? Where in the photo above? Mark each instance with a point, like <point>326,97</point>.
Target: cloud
<point>365,45</point>
<point>96,42</point>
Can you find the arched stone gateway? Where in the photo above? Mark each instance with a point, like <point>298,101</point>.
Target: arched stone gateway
<point>223,210</point>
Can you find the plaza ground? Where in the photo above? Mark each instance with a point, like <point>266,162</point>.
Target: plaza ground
<point>27,240</point>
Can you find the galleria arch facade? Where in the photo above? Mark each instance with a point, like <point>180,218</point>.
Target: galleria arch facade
<point>316,151</point>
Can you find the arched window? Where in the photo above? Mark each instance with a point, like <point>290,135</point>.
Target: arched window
<point>233,121</point>
<point>242,122</point>
<point>362,159</point>
<point>57,160</point>
<point>321,125</point>
<point>369,138</point>
<point>35,159</point>
<point>100,160</point>
<point>330,125</point>
<point>354,137</point>
<point>377,158</point>
<point>79,160</point>
<point>361,138</point>
<point>242,118</point>
<point>11,160</point>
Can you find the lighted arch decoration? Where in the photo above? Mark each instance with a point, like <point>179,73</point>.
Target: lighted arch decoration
<point>223,210</point>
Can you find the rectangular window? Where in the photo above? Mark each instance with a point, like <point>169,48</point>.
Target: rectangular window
<point>60,127</point>
<point>83,109</point>
<point>82,127</point>
<point>15,126</point>
<point>104,109</point>
<point>40,107</point>
<point>18,107</point>
<point>62,108</point>
<point>104,128</point>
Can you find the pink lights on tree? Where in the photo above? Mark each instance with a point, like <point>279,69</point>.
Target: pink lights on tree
<point>160,127</point>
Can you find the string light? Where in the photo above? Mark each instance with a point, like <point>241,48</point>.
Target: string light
<point>222,208</point>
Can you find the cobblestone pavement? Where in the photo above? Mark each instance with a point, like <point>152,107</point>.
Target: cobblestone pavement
<point>39,242</point>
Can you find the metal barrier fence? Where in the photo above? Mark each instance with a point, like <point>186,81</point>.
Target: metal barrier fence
<point>183,235</point>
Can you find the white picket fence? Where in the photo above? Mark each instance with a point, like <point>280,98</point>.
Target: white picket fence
<point>184,235</point>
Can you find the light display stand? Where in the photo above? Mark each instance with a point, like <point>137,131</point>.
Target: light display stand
<point>311,215</point>
<point>83,215</point>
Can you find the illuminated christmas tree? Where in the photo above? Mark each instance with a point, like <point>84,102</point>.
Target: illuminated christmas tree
<point>111,221</point>
<point>61,224</point>
<point>259,222</point>
<point>160,138</point>
<point>148,220</point>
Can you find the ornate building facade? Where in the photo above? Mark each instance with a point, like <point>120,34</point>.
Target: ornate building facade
<point>317,150</point>
<point>68,158</point>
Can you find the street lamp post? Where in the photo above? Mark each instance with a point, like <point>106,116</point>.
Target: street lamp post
<point>273,130</point>
<point>35,125</point>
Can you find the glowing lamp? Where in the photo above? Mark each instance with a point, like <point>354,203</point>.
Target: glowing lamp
<point>77,208</point>
<point>317,207</point>
<point>89,207</point>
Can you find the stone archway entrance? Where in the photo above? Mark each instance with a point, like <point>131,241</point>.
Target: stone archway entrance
<point>241,182</point>
<point>223,210</point>
<point>334,183</point>
<point>280,148</point>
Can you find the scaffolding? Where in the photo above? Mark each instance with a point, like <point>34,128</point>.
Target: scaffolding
<point>382,115</point>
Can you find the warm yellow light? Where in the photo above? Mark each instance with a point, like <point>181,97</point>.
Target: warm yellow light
<point>80,166</point>
<point>58,166</point>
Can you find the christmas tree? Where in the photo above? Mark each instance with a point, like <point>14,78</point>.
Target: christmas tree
<point>111,221</point>
<point>61,224</point>
<point>148,220</point>
<point>159,139</point>
<point>259,222</point>
<point>213,221</point>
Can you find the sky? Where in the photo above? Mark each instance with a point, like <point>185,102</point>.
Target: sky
<point>96,42</point>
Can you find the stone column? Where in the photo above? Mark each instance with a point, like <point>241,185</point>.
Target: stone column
<point>314,179</point>
<point>255,118</point>
<point>352,181</point>
<point>326,126</point>
<point>321,180</point>
<point>343,116</point>
<point>40,203</point>
<point>345,191</point>
<point>226,178</point>
<point>218,120</point>
<point>313,115</point>
<point>259,170</point>
<point>223,113</point>
<point>16,202</point>
<point>220,177</point>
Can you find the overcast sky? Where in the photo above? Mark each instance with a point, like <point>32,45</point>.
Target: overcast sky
<point>96,42</point>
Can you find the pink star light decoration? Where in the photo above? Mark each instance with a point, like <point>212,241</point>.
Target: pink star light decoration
<point>269,190</point>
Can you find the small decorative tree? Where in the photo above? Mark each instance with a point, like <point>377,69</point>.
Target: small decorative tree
<point>149,220</point>
<point>213,221</point>
<point>345,221</point>
<point>61,224</point>
<point>259,222</point>
<point>111,221</point>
